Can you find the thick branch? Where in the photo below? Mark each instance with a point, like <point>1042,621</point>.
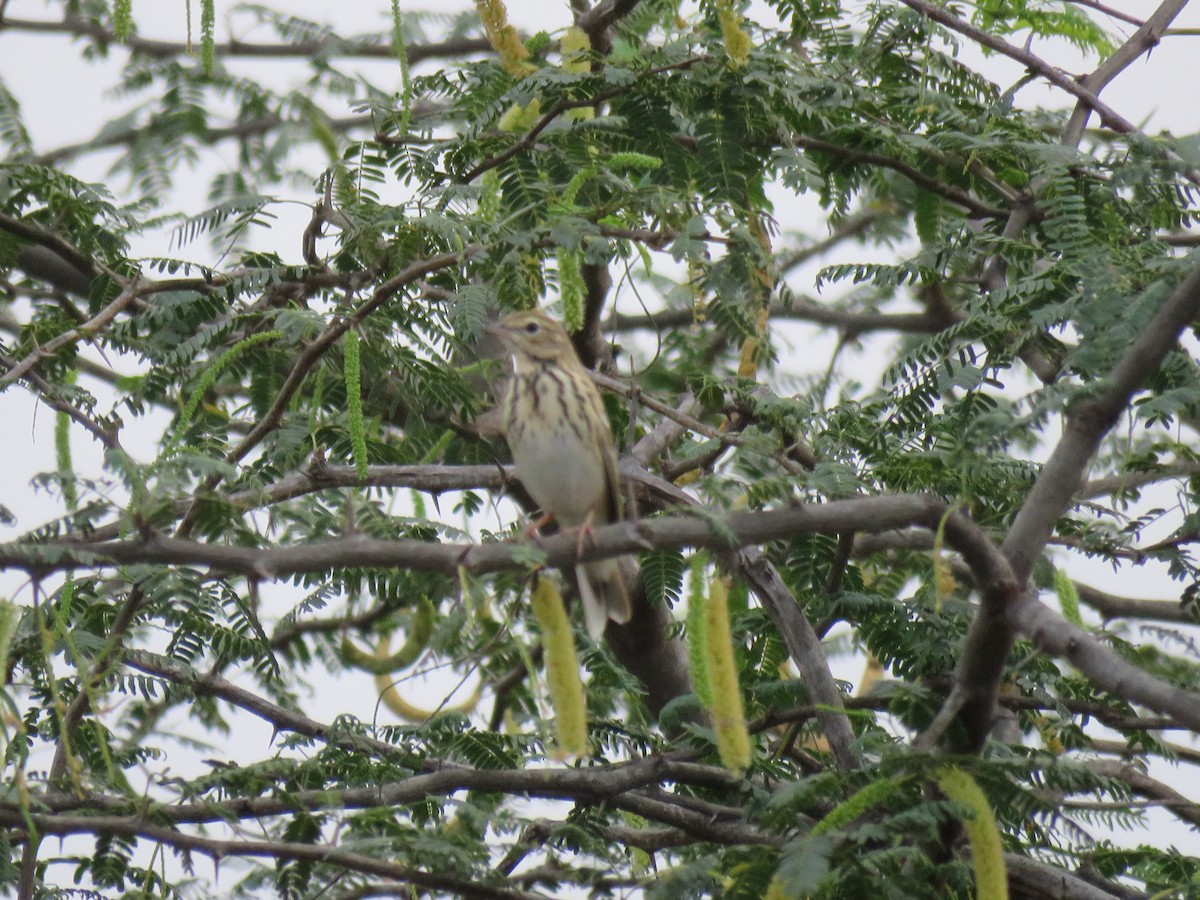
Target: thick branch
<point>1142,784</point>
<point>35,234</point>
<point>1142,41</point>
<point>1128,481</point>
<point>1089,421</point>
<point>805,648</point>
<point>1110,606</point>
<point>563,550</point>
<point>1106,671</point>
<point>1038,879</point>
<point>1006,604</point>
<point>44,264</point>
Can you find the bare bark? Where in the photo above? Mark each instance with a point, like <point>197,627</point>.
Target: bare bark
<point>1041,881</point>
<point>805,649</point>
<point>1089,420</point>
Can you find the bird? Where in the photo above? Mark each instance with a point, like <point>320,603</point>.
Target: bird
<point>553,420</point>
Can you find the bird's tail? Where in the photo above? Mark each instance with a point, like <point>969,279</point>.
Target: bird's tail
<point>604,593</point>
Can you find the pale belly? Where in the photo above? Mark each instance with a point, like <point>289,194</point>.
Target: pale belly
<point>564,476</point>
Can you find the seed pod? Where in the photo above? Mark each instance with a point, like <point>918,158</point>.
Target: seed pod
<point>987,850</point>
<point>562,668</point>
<point>729,721</point>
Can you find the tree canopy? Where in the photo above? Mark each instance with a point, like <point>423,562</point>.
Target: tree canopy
<point>884,436</point>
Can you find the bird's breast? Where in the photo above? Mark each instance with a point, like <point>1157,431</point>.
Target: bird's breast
<point>555,446</point>
<point>563,474</point>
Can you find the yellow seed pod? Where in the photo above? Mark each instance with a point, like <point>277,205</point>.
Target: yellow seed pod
<point>386,663</point>
<point>10,616</point>
<point>575,47</point>
<point>562,668</point>
<point>504,38</point>
<point>697,634</point>
<point>857,804</point>
<point>748,361</point>
<point>944,583</point>
<point>737,41</point>
<point>571,289</point>
<point>987,850</point>
<point>729,720</point>
<point>520,118</point>
<point>390,696</point>
<point>776,891</point>
<point>1068,597</point>
<point>747,366</point>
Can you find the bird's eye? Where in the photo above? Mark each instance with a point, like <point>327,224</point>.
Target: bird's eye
<point>531,328</point>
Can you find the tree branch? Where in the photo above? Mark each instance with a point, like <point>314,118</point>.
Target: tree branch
<point>1039,879</point>
<point>805,649</point>
<point>1109,117</point>
<point>87,330</point>
<point>1128,481</point>
<point>35,234</point>
<point>1087,423</point>
<point>219,849</point>
<point>107,435</point>
<point>1142,784</point>
<point>604,14</point>
<point>976,678</point>
<point>330,46</point>
<point>1142,41</point>
<point>850,324</point>
<point>955,195</point>
<point>1110,606</point>
<point>561,550</point>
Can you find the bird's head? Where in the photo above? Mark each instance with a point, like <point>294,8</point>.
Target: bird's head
<point>534,335</point>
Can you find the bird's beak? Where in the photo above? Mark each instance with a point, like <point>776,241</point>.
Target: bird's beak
<point>495,329</point>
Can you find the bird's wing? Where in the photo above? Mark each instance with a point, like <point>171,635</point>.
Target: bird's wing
<point>612,482</point>
<point>608,456</point>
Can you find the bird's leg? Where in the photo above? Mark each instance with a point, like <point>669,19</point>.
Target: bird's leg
<point>533,528</point>
<point>585,531</point>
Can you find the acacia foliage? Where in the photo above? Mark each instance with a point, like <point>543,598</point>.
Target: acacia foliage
<point>313,399</point>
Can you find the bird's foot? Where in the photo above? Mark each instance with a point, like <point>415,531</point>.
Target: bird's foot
<point>533,529</point>
<point>586,532</point>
